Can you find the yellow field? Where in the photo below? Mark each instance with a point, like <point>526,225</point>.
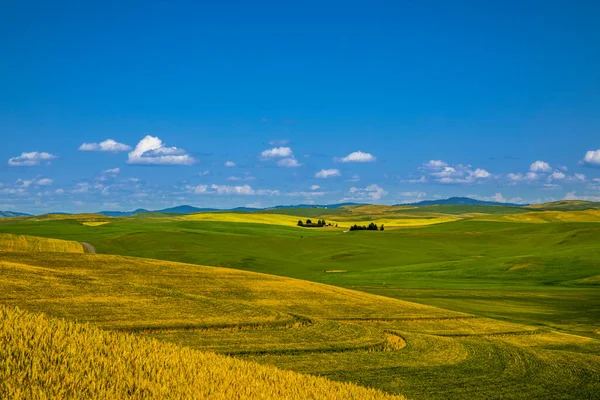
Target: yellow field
<point>10,242</point>
<point>399,346</point>
<point>343,222</point>
<point>49,358</point>
<point>95,223</point>
<point>541,217</point>
<point>271,219</point>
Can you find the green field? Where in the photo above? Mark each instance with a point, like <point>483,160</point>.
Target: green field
<point>482,304</point>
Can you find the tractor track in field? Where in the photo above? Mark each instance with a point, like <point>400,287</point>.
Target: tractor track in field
<point>89,249</point>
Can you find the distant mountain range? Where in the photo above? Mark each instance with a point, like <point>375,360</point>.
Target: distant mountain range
<point>8,214</point>
<point>187,209</point>
<point>463,201</point>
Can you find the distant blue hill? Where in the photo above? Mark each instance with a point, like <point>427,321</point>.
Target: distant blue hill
<point>463,201</point>
<point>9,214</point>
<point>121,213</point>
<point>187,209</point>
<point>315,206</point>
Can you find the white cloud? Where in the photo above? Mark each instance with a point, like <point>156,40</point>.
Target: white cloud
<point>112,172</point>
<point>203,173</point>
<point>422,179</point>
<point>30,159</point>
<point>241,178</point>
<point>519,177</point>
<point>315,187</point>
<point>288,162</point>
<point>355,178</point>
<point>245,190</point>
<point>327,173</point>
<point>573,196</point>
<point>580,177</point>
<point>229,164</point>
<point>107,145</point>
<point>151,151</point>
<point>306,194</point>
<point>441,172</point>
<point>201,189</point>
<point>417,195</point>
<point>44,182</point>
<point>25,183</point>
<point>373,191</point>
<point>556,175</point>
<point>277,152</point>
<point>242,190</point>
<point>480,174</point>
<point>540,166</point>
<point>358,156</point>
<point>592,158</point>
<point>435,164</point>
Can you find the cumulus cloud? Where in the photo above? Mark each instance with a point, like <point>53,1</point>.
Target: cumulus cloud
<point>229,164</point>
<point>108,145</point>
<point>574,196</point>
<point>241,178</point>
<point>277,152</point>
<point>245,190</point>
<point>44,182</point>
<point>358,156</point>
<point>30,159</point>
<point>592,158</point>
<point>25,183</point>
<point>435,164</point>
<point>417,195</point>
<point>113,172</point>
<point>373,191</point>
<point>556,175</point>
<point>242,190</point>
<point>306,194</point>
<point>327,173</point>
<point>151,151</point>
<point>519,177</point>
<point>540,166</point>
<point>315,187</point>
<point>355,178</point>
<point>441,172</point>
<point>289,162</point>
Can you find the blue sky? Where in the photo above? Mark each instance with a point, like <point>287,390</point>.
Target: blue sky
<point>226,104</point>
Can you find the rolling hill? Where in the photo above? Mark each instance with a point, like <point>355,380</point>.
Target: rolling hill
<point>11,214</point>
<point>50,358</point>
<point>465,201</point>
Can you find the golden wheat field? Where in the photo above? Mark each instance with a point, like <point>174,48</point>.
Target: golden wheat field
<point>25,243</point>
<point>46,358</point>
<point>400,347</point>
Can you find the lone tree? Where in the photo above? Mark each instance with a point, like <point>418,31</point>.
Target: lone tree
<point>300,223</point>
<point>381,228</point>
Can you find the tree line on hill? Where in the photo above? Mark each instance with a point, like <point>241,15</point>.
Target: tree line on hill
<point>309,224</point>
<point>370,227</point>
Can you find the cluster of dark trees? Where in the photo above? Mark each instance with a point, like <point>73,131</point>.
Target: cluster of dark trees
<point>371,227</point>
<point>309,224</point>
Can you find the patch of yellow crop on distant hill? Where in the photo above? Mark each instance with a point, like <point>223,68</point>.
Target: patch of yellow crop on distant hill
<point>9,242</point>
<point>255,218</point>
<point>542,217</point>
<point>95,223</point>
